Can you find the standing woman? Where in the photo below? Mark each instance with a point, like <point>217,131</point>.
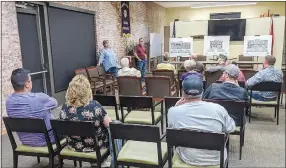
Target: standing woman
<point>140,54</point>
<point>108,59</point>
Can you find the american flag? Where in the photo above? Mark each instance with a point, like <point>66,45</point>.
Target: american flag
<point>174,29</point>
<point>272,33</point>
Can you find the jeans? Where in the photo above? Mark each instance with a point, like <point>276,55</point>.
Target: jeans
<point>256,96</point>
<point>113,70</point>
<point>141,65</point>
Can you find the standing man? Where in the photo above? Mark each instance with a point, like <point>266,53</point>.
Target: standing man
<point>109,59</point>
<point>140,54</point>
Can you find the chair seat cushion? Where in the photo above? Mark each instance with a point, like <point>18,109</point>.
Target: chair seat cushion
<point>90,155</point>
<point>44,149</point>
<point>253,101</point>
<point>141,117</point>
<point>141,152</point>
<point>177,162</point>
<point>112,115</point>
<point>237,129</point>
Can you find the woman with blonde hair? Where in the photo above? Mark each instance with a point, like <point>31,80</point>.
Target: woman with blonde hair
<point>80,106</point>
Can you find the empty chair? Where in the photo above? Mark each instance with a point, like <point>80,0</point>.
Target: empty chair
<point>212,77</point>
<point>143,147</point>
<point>168,73</point>
<point>30,125</point>
<point>81,129</point>
<point>201,58</point>
<point>110,106</point>
<point>160,86</point>
<point>169,102</point>
<point>109,78</point>
<point>266,87</point>
<point>81,71</point>
<point>197,140</point>
<point>245,66</point>
<point>97,83</point>
<point>129,85</point>
<point>180,73</point>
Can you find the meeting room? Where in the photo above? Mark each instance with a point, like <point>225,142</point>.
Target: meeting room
<point>163,84</point>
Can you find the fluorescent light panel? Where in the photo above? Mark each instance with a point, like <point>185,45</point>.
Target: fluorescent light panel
<point>222,5</point>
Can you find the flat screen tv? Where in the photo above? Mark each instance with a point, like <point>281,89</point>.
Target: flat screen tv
<point>234,28</point>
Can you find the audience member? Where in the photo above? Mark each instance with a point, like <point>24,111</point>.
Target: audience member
<point>166,65</point>
<point>190,68</point>
<point>199,66</point>
<point>199,115</point>
<point>126,71</point>
<point>108,58</point>
<point>222,62</point>
<point>240,77</point>
<point>229,89</point>
<point>25,104</point>
<point>80,106</point>
<point>140,54</point>
<point>268,74</point>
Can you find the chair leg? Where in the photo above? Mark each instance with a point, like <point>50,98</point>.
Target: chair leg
<point>243,136</point>
<point>38,159</point>
<point>249,114</point>
<point>240,146</point>
<point>80,163</point>
<point>74,163</point>
<point>277,115</point>
<point>162,125</point>
<point>275,112</point>
<point>61,162</point>
<point>15,160</point>
<point>51,162</point>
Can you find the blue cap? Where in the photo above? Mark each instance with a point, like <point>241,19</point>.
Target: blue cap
<point>193,85</point>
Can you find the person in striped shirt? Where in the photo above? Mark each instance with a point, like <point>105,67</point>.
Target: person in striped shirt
<point>25,104</point>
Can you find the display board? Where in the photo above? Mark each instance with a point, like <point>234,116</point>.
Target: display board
<point>215,45</point>
<point>72,44</point>
<point>257,45</point>
<point>155,45</point>
<point>181,47</point>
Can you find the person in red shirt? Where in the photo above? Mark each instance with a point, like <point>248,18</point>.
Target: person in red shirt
<point>140,54</point>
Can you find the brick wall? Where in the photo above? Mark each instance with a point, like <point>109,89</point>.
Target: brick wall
<point>146,17</point>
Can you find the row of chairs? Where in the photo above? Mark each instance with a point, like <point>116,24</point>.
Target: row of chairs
<point>99,79</point>
<point>140,151</point>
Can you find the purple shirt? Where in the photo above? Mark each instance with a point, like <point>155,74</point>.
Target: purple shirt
<point>186,74</point>
<point>31,105</point>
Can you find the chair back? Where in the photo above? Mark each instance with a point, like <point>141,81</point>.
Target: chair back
<point>197,140</point>
<point>180,58</point>
<point>201,58</point>
<point>243,58</point>
<point>27,125</point>
<point>101,70</point>
<point>163,72</point>
<point>284,81</point>
<point>181,72</point>
<point>240,83</point>
<point>267,87</point>
<point>92,72</point>
<point>235,109</point>
<point>212,77</point>
<point>169,102</point>
<point>105,100</point>
<point>136,101</point>
<point>158,86</point>
<point>248,73</point>
<point>129,85</point>
<point>81,71</point>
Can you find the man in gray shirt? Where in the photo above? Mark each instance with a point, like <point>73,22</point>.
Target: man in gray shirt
<point>199,115</point>
<point>268,74</point>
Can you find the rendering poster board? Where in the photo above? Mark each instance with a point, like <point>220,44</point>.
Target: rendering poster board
<point>257,45</point>
<point>216,45</point>
<point>181,47</point>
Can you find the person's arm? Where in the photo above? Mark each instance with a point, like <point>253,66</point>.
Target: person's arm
<point>213,69</point>
<point>207,92</point>
<point>228,123</point>
<point>257,78</point>
<point>101,58</point>
<point>101,114</point>
<point>135,54</point>
<point>245,97</point>
<point>48,102</point>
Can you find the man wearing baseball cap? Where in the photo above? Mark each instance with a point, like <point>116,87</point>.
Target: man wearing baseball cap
<point>202,116</point>
<point>229,89</point>
<point>25,104</point>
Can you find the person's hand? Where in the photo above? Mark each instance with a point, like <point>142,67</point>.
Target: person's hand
<point>139,59</point>
<point>98,64</point>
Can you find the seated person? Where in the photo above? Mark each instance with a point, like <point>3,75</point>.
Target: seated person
<point>222,62</point>
<point>229,89</point>
<point>25,104</point>
<point>79,106</point>
<point>268,74</point>
<point>240,77</point>
<point>166,65</point>
<point>199,66</point>
<point>126,71</point>
<point>190,68</point>
<point>199,115</point>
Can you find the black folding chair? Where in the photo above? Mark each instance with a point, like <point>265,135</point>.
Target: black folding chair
<point>212,77</point>
<point>149,117</point>
<point>82,129</point>
<point>197,140</point>
<point>266,87</point>
<point>143,147</point>
<point>236,110</point>
<point>31,125</point>
<point>169,102</point>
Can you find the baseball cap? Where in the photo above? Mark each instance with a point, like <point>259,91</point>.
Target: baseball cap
<point>193,85</point>
<point>232,70</point>
<point>224,57</point>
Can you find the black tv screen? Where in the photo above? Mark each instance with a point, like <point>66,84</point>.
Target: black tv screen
<point>233,28</point>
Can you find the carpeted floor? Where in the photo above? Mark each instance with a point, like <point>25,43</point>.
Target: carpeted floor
<point>264,145</point>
